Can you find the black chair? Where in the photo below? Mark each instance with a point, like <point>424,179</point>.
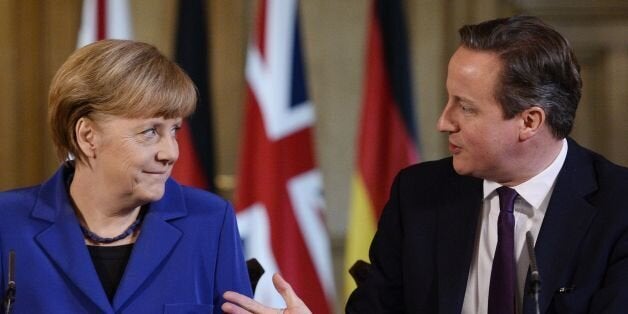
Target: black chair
<point>360,271</point>
<point>255,272</point>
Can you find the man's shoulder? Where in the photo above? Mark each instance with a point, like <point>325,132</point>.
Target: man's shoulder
<point>609,168</point>
<point>441,166</point>
<point>590,174</point>
<point>611,179</point>
<point>441,170</point>
<point>433,179</point>
<point>605,170</point>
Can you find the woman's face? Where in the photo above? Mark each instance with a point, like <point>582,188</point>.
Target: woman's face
<point>133,158</point>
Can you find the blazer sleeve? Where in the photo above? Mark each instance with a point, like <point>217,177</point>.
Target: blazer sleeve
<point>612,297</point>
<point>231,271</point>
<point>3,282</point>
<point>382,289</point>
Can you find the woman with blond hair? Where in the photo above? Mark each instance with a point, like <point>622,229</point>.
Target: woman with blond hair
<point>110,231</point>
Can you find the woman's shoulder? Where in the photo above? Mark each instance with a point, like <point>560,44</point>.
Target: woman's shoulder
<point>196,207</point>
<point>19,195</point>
<point>17,201</point>
<point>195,199</point>
<point>196,195</point>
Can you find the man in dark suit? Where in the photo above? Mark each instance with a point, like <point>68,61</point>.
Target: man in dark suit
<point>452,237</point>
<point>513,87</point>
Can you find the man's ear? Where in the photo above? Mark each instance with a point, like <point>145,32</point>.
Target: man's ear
<point>532,119</point>
<point>85,130</point>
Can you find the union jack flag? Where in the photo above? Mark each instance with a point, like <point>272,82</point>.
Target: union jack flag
<point>102,19</point>
<point>279,198</point>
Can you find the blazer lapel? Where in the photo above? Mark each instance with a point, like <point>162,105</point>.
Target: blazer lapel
<point>457,224</point>
<point>157,239</point>
<point>565,224</point>
<point>63,241</point>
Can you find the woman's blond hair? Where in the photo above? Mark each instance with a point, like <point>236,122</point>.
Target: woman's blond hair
<point>115,77</point>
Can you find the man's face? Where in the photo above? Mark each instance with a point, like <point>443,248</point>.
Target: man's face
<point>481,141</point>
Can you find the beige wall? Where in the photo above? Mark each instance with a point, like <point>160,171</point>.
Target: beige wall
<point>36,36</point>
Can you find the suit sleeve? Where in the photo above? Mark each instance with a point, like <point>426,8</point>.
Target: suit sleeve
<point>612,297</point>
<point>382,289</point>
<point>231,271</point>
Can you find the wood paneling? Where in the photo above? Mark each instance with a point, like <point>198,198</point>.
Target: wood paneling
<point>37,36</point>
<point>8,86</point>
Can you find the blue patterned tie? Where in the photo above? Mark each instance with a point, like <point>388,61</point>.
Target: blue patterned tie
<point>501,297</point>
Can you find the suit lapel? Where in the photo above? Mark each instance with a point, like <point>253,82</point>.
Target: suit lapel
<point>457,224</point>
<point>156,241</point>
<point>63,241</point>
<point>565,224</point>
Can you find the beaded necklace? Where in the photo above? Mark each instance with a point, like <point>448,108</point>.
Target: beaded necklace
<point>98,239</point>
<point>90,234</point>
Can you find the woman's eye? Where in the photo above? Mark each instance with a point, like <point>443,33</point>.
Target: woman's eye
<point>175,130</point>
<point>150,132</point>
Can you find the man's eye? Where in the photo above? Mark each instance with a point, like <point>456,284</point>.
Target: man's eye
<point>466,108</point>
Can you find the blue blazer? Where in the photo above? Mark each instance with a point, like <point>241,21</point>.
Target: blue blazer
<point>425,241</point>
<point>187,254</point>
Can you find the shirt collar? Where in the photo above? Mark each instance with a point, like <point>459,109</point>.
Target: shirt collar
<point>535,189</point>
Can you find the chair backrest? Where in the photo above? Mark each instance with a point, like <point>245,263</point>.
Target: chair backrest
<point>255,272</point>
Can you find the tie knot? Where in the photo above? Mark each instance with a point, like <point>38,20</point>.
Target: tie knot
<point>506,198</point>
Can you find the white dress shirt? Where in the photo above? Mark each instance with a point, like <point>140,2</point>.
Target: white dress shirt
<point>530,207</point>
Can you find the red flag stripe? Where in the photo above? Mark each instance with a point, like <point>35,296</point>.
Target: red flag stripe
<point>260,39</point>
<point>103,19</point>
<point>101,31</point>
<point>188,170</point>
<point>383,136</point>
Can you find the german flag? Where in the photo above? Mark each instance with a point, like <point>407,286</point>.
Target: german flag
<point>387,138</point>
<point>195,166</point>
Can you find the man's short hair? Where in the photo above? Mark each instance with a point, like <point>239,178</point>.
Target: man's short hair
<point>539,68</point>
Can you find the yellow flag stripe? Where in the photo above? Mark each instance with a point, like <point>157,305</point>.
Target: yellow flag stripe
<point>362,226</point>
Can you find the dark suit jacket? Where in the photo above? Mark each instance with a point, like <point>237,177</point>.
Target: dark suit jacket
<point>188,253</point>
<point>425,240</point>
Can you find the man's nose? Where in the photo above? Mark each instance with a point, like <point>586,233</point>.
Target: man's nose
<point>445,122</point>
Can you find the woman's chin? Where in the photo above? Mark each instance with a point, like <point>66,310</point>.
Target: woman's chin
<point>150,195</point>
